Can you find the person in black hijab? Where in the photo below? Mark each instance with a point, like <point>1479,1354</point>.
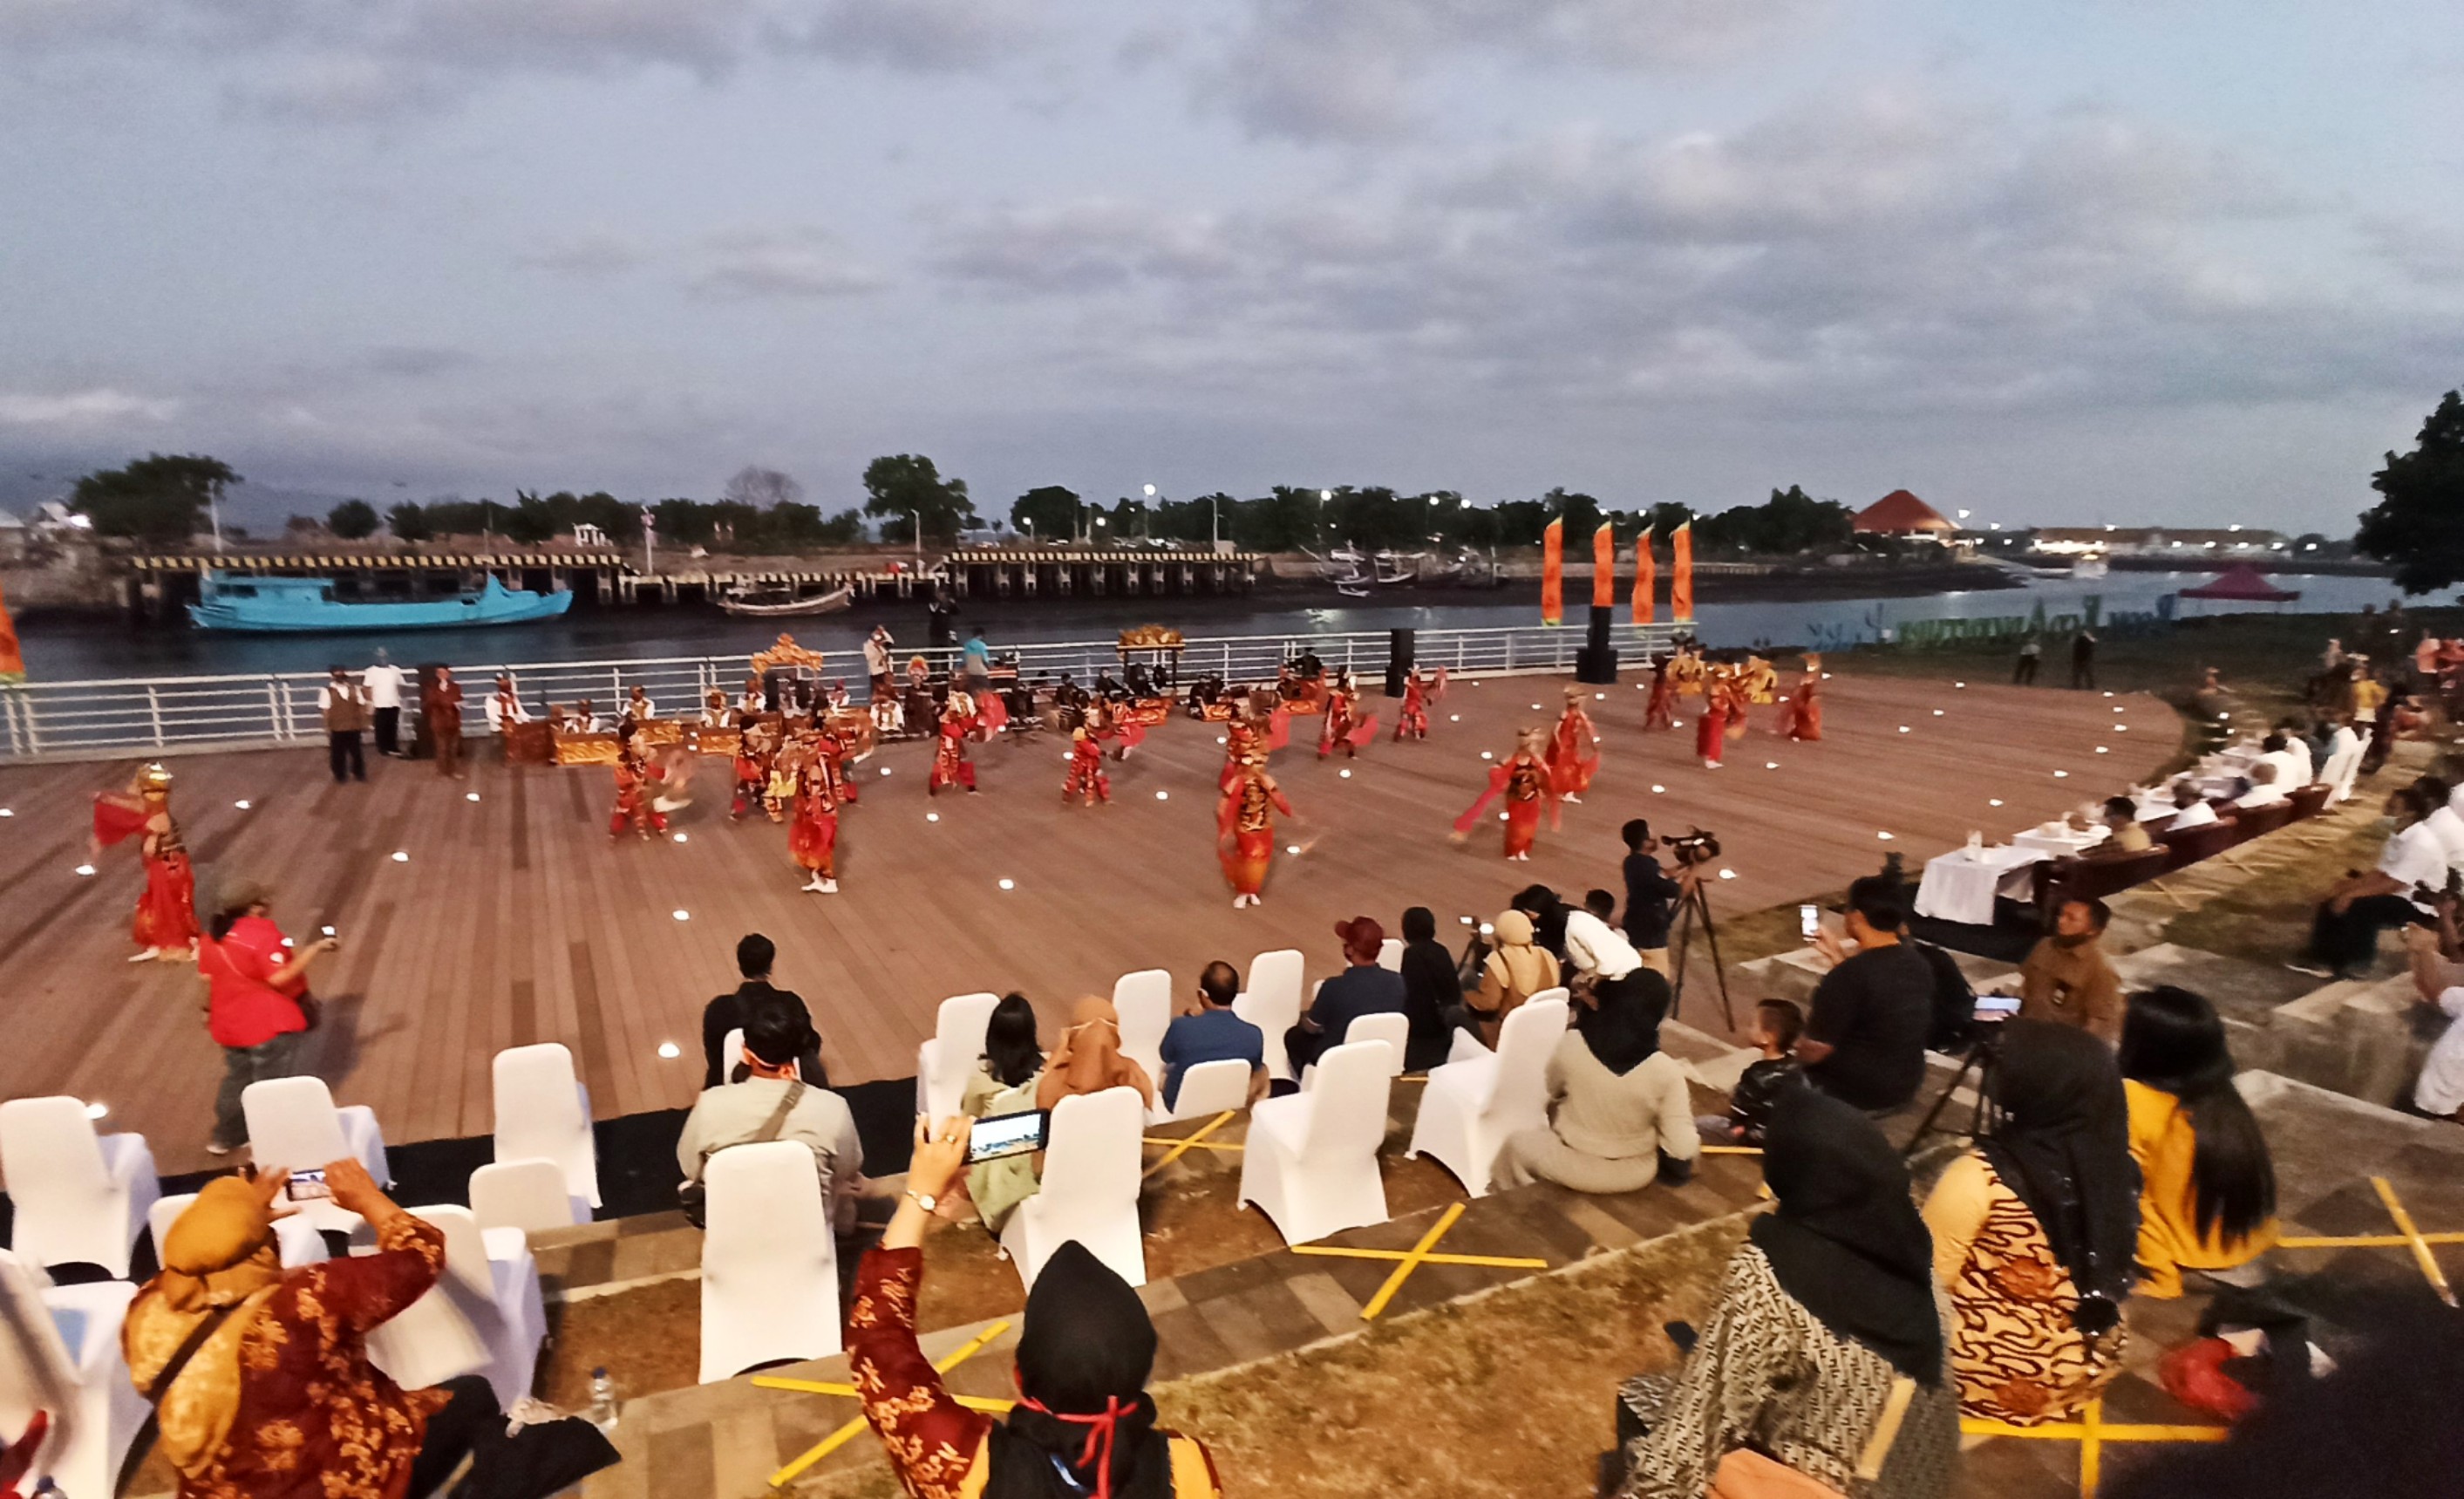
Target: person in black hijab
<point>2036,1229</point>
<point>1430,989</point>
<point>1620,1116</point>
<point>1826,1353</point>
<point>1622,1026</point>
<point>1084,1427</point>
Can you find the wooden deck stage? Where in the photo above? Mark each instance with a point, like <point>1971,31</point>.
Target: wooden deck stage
<point>515,920</point>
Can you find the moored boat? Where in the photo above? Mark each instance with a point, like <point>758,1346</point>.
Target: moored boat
<point>306,606</point>
<point>783,602</point>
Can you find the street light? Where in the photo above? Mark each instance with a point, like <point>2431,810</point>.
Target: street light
<point>915,519</point>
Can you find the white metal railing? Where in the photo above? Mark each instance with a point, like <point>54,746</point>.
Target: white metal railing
<point>102,719</point>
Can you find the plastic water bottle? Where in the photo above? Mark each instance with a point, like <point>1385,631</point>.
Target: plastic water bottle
<point>603,1401</point>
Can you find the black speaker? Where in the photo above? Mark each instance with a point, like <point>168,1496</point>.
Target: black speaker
<point>1597,663</point>
<point>1399,661</point>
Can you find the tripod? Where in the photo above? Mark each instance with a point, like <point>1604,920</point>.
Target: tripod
<point>1982,1056</point>
<point>1693,907</point>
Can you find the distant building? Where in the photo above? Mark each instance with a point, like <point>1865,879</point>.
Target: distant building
<point>54,519</point>
<point>585,534</point>
<point>1900,513</point>
<point>16,539</point>
<point>2176,541</point>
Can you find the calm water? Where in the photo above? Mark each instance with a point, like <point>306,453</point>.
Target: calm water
<point>67,652</point>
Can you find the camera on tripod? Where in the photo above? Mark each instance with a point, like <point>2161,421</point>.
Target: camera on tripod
<point>1692,848</point>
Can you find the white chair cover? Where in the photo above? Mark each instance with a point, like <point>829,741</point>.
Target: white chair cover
<point>1390,955</point>
<point>544,1112</point>
<point>300,1242</point>
<point>1470,1106</point>
<point>731,1054</point>
<point>483,1316</point>
<point>957,1045</point>
<point>769,1262</point>
<point>1090,1187</point>
<point>1272,1003</point>
<point>1143,1000</point>
<point>59,1352</point>
<point>1392,1030</point>
<point>1209,1089</point>
<point>79,1196</point>
<point>1310,1162</point>
<point>292,1123</point>
<point>527,1197</point>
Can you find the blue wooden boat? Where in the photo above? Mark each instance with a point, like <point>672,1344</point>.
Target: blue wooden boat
<point>300,606</point>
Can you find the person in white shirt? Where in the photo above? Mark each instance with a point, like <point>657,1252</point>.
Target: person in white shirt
<point>773,1102</point>
<point>1600,956</point>
<point>2264,788</point>
<point>2444,821</point>
<point>384,683</point>
<point>505,707</point>
<point>2190,809</point>
<point>2291,769</point>
<point>2305,767</point>
<point>2440,1090</point>
<point>876,662</point>
<point>2345,932</point>
<point>638,705</point>
<point>2344,749</point>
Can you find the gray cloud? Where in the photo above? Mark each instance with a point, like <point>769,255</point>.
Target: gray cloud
<point>591,255</point>
<point>799,264</point>
<point>922,36</point>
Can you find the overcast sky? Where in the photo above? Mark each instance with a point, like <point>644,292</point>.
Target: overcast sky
<point>2161,259</point>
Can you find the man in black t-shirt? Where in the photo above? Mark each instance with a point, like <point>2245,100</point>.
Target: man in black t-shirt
<point>1649,892</point>
<point>754,957</point>
<point>1864,1039</point>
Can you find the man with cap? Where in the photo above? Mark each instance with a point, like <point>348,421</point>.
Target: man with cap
<point>1084,1427</point>
<point>1362,988</point>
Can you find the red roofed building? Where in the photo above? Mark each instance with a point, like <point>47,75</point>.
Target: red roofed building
<point>1900,513</point>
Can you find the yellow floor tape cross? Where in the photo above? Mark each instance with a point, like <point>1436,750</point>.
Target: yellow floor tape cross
<point>1413,1258</point>
<point>1195,1139</point>
<point>2092,1432</point>
<point>847,1433</point>
<point>2406,1235</point>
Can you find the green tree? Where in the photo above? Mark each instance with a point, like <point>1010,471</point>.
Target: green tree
<point>908,482</point>
<point>158,498</point>
<point>1047,512</point>
<point>530,522</point>
<point>353,521</point>
<point>409,521</point>
<point>2418,523</point>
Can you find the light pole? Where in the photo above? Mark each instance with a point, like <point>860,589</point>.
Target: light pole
<point>915,519</point>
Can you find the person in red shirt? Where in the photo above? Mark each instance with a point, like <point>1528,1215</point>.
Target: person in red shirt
<point>256,1006</point>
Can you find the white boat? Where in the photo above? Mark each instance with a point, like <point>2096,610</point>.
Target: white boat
<point>781,601</point>
<point>1357,587</point>
<point>1393,567</point>
<point>2089,568</point>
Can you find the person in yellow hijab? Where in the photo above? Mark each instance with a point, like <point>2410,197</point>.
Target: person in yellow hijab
<point>259,1375</point>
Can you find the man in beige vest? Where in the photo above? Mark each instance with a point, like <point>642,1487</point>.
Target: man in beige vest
<point>344,704</point>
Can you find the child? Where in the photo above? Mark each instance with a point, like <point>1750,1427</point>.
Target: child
<point>1777,1023</point>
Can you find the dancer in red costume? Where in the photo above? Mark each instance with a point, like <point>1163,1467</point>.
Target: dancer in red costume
<point>1801,710</point>
<point>636,783</point>
<point>1115,727</point>
<point>1243,736</point>
<point>1524,781</point>
<point>1711,731</point>
<point>753,751</point>
<point>1087,779</point>
<point>166,924</point>
<point>1661,713</point>
<point>1413,720</point>
<point>1245,830</point>
<point>951,767</point>
<point>813,833</point>
<point>1343,730</point>
<point>1573,751</point>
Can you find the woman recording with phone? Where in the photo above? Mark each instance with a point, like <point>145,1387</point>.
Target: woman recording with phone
<point>257,1006</point>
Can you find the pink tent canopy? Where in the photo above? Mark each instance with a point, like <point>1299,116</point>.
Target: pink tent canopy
<point>2243,582</point>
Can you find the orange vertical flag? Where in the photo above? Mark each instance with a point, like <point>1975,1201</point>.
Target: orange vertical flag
<point>12,661</point>
<point>1681,573</point>
<point>1552,574</point>
<point>1644,611</point>
<point>1604,567</point>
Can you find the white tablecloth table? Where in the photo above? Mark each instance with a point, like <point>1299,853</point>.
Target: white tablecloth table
<point>1957,887</point>
<point>2055,844</point>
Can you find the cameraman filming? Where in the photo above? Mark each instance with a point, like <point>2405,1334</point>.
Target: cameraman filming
<point>1651,895</point>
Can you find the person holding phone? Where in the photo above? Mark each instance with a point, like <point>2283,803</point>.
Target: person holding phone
<point>1083,1424</point>
<point>259,1376</point>
<point>257,1005</point>
<point>1865,1033</point>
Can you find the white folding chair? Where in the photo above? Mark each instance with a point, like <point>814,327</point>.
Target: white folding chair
<point>544,1112</point>
<point>523,1198</point>
<point>1143,1000</point>
<point>769,1262</point>
<point>1090,1187</point>
<point>1390,955</point>
<point>1208,1089</point>
<point>1272,1003</point>
<point>1470,1106</point>
<point>1310,1162</point>
<point>79,1196</point>
<point>957,1045</point>
<point>296,1238</point>
<point>1393,1029</point>
<point>292,1123</point>
<point>483,1316</point>
<point>59,1352</point>
<point>731,1055</point>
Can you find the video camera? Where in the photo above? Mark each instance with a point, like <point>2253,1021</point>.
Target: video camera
<point>1690,848</point>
